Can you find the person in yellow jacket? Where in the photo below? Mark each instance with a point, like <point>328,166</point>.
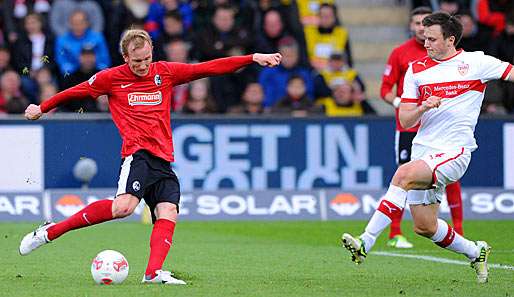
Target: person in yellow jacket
<point>327,37</point>
<point>348,100</point>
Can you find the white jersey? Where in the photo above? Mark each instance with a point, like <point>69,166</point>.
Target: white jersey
<point>460,81</point>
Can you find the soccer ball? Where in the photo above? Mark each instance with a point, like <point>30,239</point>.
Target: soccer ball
<point>109,267</point>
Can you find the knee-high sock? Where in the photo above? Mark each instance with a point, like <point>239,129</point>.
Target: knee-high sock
<point>160,243</point>
<point>453,195</point>
<point>95,213</point>
<point>396,228</point>
<point>447,238</point>
<point>392,203</point>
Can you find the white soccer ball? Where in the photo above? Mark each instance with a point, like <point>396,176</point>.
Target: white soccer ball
<point>109,267</point>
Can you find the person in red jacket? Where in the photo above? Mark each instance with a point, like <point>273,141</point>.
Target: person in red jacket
<point>397,65</point>
<point>139,94</point>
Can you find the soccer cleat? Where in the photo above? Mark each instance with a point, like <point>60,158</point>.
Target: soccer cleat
<point>399,242</point>
<point>35,239</point>
<point>355,246</point>
<point>163,277</point>
<point>480,263</point>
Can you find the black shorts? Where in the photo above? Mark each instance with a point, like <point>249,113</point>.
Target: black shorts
<point>150,178</point>
<point>403,146</point>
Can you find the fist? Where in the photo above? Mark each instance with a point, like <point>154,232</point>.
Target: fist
<point>431,102</point>
<point>33,112</point>
<point>270,60</point>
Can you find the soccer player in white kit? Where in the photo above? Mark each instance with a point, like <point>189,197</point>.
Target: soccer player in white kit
<point>443,91</point>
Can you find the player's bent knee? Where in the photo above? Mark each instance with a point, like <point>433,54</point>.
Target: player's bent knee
<point>425,229</point>
<point>403,177</point>
<point>166,210</point>
<point>124,205</point>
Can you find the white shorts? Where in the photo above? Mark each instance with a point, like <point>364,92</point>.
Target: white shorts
<point>447,167</point>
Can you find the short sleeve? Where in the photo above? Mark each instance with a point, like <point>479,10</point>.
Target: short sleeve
<point>410,88</point>
<point>492,68</point>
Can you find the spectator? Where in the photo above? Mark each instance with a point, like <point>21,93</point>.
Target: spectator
<point>492,13</point>
<point>69,45</point>
<point>124,15</point>
<point>159,8</point>
<point>44,76</point>
<point>451,7</point>
<point>86,70</point>
<point>296,101</point>
<point>47,91</point>
<point>501,93</point>
<point>63,9</point>
<point>199,100</point>
<point>5,60</point>
<point>14,12</point>
<point>253,97</point>
<point>274,82</point>
<point>271,31</point>
<point>328,37</point>
<point>34,50</point>
<point>475,37</point>
<point>309,10</point>
<point>178,51</point>
<point>223,39</point>
<point>10,92</point>
<point>172,30</point>
<point>337,71</point>
<point>348,101</point>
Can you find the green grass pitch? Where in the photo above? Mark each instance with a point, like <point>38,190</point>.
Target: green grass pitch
<point>253,259</point>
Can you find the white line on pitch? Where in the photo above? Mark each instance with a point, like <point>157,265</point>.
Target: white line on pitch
<point>440,260</point>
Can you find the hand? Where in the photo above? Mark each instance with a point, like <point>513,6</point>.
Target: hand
<point>431,102</point>
<point>33,112</point>
<point>270,60</point>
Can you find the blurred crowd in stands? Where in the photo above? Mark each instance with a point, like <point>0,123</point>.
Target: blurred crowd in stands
<point>47,46</point>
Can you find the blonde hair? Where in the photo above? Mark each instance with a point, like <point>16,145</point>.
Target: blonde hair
<point>137,37</point>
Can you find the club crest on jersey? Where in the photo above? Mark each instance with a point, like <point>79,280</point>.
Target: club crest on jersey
<point>463,69</point>
<point>157,80</point>
<point>426,92</point>
<point>91,79</point>
<point>140,98</point>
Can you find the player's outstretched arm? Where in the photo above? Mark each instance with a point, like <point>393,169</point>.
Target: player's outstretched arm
<point>270,60</point>
<point>33,112</point>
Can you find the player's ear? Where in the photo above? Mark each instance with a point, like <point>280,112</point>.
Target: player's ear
<point>451,39</point>
<point>125,58</point>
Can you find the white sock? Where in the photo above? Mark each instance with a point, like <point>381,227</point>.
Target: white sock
<point>447,238</point>
<point>379,221</point>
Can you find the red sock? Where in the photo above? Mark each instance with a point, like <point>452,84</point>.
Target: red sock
<point>396,222</point>
<point>96,212</point>
<point>160,243</point>
<point>453,195</point>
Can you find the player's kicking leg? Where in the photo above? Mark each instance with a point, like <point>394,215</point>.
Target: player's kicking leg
<point>35,239</point>
<point>95,213</point>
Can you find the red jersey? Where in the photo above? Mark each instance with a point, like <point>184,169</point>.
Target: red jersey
<point>395,70</point>
<point>141,106</point>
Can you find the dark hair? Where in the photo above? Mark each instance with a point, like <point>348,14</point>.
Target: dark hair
<point>295,76</point>
<point>334,10</point>
<point>420,10</point>
<point>450,25</point>
<point>173,14</point>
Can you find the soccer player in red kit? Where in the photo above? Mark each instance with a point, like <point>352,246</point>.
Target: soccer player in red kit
<point>140,103</point>
<point>396,67</point>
